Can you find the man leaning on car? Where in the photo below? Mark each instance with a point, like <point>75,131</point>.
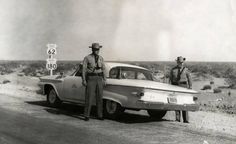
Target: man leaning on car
<point>94,79</point>
<point>180,76</point>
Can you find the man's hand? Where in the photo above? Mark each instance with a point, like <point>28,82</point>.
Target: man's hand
<point>84,83</point>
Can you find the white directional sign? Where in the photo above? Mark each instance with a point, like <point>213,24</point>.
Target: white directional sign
<point>52,49</point>
<point>51,61</point>
<point>51,64</point>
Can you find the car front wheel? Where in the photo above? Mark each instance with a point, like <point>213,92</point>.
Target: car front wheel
<point>112,109</point>
<point>53,99</point>
<point>156,114</point>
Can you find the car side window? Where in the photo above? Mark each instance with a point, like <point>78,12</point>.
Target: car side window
<point>114,73</point>
<point>141,76</point>
<point>127,73</point>
<point>134,73</point>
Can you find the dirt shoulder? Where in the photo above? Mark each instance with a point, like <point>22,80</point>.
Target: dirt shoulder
<point>221,122</point>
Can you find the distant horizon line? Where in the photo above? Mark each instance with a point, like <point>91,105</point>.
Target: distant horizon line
<point>129,61</point>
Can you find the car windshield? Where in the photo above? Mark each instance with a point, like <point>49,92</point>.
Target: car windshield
<point>130,73</point>
<point>78,71</point>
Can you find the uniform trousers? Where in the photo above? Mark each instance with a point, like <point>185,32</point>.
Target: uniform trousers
<point>184,114</point>
<point>94,90</point>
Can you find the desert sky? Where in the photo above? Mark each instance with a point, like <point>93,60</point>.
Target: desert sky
<point>129,30</point>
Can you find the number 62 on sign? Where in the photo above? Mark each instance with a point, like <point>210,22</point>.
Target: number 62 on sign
<point>52,49</point>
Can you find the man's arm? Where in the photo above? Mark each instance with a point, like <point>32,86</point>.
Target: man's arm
<point>171,76</point>
<point>84,71</point>
<point>104,70</point>
<point>189,78</point>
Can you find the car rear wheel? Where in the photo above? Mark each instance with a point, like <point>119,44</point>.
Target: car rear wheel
<point>112,109</point>
<point>156,114</point>
<point>53,99</point>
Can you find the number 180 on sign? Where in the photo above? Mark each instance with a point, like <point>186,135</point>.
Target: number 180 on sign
<point>51,64</point>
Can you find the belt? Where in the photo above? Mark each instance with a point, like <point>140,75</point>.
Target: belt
<point>94,74</point>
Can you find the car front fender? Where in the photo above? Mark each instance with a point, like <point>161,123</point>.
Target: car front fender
<point>47,86</point>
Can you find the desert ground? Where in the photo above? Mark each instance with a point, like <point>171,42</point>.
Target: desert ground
<point>217,114</point>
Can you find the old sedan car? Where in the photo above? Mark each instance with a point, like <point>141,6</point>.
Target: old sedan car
<point>128,87</point>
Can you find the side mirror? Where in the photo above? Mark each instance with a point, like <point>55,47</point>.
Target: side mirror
<point>61,74</point>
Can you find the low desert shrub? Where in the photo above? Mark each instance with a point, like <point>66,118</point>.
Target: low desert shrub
<point>206,87</point>
<point>217,90</point>
<point>6,81</point>
<point>34,68</point>
<point>5,69</point>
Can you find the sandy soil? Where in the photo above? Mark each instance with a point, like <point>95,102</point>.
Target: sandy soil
<point>24,87</point>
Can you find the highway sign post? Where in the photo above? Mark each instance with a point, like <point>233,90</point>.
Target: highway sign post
<point>51,61</point>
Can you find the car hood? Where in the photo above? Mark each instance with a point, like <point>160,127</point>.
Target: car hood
<point>51,78</point>
<point>150,85</point>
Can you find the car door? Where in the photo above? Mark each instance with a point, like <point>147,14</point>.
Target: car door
<point>73,89</point>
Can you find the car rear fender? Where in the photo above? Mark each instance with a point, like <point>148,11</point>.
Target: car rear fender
<point>124,95</point>
<point>121,99</point>
<point>112,99</point>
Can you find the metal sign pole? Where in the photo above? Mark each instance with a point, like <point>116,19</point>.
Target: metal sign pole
<point>51,71</point>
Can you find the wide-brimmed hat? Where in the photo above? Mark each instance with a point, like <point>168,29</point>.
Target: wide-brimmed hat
<point>95,46</point>
<point>180,59</point>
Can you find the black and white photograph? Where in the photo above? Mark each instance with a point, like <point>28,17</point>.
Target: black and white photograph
<point>117,71</point>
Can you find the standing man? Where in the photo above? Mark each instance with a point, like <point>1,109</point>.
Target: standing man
<point>94,79</point>
<point>180,76</point>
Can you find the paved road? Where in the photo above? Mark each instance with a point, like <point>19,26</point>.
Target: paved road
<point>16,128</point>
<point>32,121</point>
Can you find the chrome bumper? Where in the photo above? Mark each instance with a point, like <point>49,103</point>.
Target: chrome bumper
<point>166,106</point>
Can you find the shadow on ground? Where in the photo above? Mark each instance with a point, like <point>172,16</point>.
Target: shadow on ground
<point>136,118</point>
<point>76,111</point>
<point>65,109</point>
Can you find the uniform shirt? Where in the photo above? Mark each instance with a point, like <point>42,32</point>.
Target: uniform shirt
<point>89,65</point>
<point>184,76</point>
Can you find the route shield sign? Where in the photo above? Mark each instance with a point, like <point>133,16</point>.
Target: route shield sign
<point>51,64</point>
<point>52,49</point>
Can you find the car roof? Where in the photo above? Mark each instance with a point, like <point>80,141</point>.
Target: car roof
<point>110,65</point>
